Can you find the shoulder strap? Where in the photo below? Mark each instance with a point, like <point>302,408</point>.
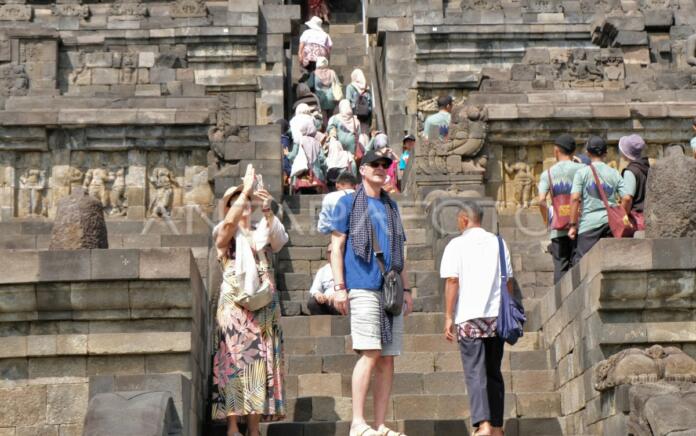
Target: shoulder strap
<point>600,188</point>
<point>503,266</point>
<point>550,182</point>
<point>377,249</point>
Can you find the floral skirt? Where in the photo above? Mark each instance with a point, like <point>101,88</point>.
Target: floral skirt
<point>248,362</point>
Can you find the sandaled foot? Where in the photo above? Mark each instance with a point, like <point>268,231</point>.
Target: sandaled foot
<point>362,430</point>
<point>383,430</point>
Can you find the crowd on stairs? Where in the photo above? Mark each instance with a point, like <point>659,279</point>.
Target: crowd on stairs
<point>332,126</point>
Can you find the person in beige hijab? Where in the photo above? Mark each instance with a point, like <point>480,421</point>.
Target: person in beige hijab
<point>360,97</point>
<point>325,84</point>
<point>345,126</point>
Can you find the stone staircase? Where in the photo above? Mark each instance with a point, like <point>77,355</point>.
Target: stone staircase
<point>429,394</point>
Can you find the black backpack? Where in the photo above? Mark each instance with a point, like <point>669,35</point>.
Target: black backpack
<point>363,108</point>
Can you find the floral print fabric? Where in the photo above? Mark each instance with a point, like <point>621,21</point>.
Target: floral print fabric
<point>248,361</point>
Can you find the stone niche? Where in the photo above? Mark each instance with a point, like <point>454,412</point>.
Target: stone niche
<point>133,184</point>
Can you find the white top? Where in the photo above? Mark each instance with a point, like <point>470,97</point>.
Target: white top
<point>328,204</point>
<point>323,281</point>
<point>315,36</point>
<point>473,258</point>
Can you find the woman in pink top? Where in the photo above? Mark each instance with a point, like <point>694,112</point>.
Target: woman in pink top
<point>314,43</point>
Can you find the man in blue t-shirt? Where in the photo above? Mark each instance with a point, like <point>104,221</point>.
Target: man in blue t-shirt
<point>376,336</point>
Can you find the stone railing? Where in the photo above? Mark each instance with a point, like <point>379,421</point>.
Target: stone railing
<point>624,293</point>
<point>74,324</point>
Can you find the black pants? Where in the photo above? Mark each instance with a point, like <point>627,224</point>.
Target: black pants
<point>587,240</point>
<point>562,252</point>
<point>481,359</point>
<point>320,309</point>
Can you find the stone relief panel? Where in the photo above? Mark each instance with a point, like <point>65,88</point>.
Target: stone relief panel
<point>513,172</point>
<point>463,150</point>
<point>101,175</point>
<point>32,173</point>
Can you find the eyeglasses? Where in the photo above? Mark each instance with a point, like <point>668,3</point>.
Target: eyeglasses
<point>378,164</point>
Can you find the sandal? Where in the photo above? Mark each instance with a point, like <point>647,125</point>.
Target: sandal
<point>383,430</point>
<point>363,430</point>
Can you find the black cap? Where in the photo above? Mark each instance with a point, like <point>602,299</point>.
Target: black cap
<point>596,145</point>
<point>566,143</point>
<point>408,138</point>
<point>375,155</point>
<point>444,100</point>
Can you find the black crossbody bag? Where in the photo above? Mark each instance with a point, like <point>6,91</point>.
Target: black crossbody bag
<point>392,286</point>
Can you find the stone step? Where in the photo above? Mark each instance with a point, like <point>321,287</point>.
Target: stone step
<point>328,408</point>
<point>417,427</point>
<point>407,383</point>
<point>340,29</point>
<point>408,362</point>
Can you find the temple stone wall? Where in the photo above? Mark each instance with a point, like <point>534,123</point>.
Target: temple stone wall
<point>624,293</point>
<point>74,324</point>
<point>142,105</point>
<point>541,68</point>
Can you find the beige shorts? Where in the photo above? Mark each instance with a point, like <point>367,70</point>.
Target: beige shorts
<point>364,324</point>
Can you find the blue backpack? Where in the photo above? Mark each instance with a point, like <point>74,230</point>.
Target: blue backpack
<point>511,317</point>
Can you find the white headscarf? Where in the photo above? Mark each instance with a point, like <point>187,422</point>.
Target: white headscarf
<point>345,115</point>
<point>309,144</point>
<point>358,80</point>
<point>325,74</point>
<point>302,113</point>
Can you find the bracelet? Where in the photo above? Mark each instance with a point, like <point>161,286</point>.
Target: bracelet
<point>339,287</point>
<point>407,290</point>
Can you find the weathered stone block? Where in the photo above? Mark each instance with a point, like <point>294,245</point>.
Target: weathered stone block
<point>319,385</point>
<point>24,266</point>
<point>169,263</point>
<point>115,264</point>
<point>66,403</point>
<point>99,59</point>
<point>99,295</point>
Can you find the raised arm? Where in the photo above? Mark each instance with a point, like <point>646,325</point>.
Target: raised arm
<point>229,223</point>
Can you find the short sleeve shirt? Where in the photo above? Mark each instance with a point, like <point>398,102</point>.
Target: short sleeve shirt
<point>630,184</point>
<point>441,119</point>
<point>359,274</point>
<point>473,257</point>
<point>594,214</point>
<point>314,36</point>
<point>693,144</point>
<point>562,174</point>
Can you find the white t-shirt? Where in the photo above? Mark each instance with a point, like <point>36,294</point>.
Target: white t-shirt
<point>323,281</point>
<point>473,258</point>
<point>328,204</point>
<point>314,36</point>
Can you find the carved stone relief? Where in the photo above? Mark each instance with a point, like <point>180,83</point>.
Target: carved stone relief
<point>32,193</point>
<point>15,12</point>
<point>463,150</point>
<point>188,9</point>
<point>521,176</point>
<point>14,80</point>
<point>129,8</point>
<point>543,6</point>
<point>162,195</point>
<point>71,10</point>
<point>482,5</point>
<point>641,366</point>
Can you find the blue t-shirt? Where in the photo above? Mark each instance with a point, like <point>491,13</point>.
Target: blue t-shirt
<point>359,274</point>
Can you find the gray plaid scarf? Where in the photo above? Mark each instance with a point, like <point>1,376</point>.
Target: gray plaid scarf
<point>360,230</point>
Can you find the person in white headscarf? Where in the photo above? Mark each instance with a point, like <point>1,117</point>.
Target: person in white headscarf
<point>309,173</point>
<point>345,127</point>
<point>314,42</point>
<point>325,84</point>
<point>360,97</point>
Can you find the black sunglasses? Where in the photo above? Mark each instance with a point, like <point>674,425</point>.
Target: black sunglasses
<point>382,164</point>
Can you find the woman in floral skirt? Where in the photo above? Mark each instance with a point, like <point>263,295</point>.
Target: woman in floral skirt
<point>248,362</point>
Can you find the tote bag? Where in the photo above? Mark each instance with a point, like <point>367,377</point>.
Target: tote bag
<point>511,316</point>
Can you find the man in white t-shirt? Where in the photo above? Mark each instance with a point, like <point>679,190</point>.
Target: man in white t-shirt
<point>471,267</point>
<point>345,184</point>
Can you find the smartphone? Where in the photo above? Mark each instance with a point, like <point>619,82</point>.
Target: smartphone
<point>259,182</point>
